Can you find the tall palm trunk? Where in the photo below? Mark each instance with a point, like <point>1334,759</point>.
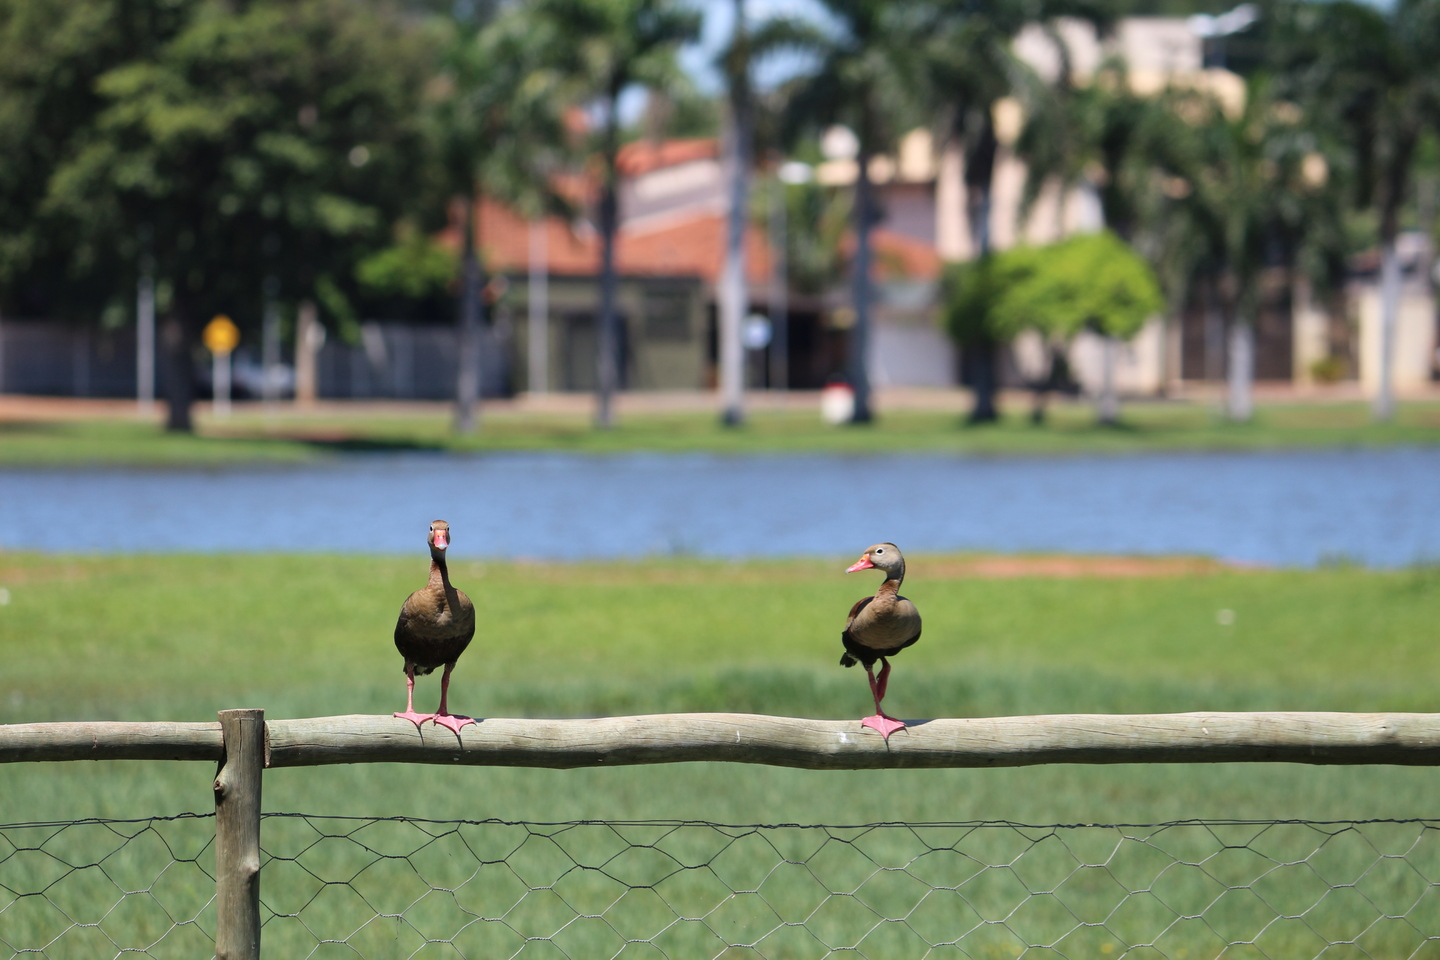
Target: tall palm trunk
<point>1384,403</point>
<point>1394,187</point>
<point>1240,377</point>
<point>1107,402</point>
<point>1240,345</point>
<point>857,367</point>
<point>467,380</point>
<point>734,298</point>
<point>177,338</point>
<point>607,373</point>
<point>980,355</point>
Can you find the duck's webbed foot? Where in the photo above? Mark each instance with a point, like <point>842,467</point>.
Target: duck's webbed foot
<point>443,717</point>
<point>415,718</point>
<point>451,721</point>
<point>885,724</point>
<point>881,721</point>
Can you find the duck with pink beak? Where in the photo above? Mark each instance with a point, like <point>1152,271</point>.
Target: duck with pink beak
<point>436,624</point>
<point>880,627</point>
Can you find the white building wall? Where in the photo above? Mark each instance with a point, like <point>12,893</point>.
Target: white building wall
<point>1414,349</point>
<point>1139,362</point>
<point>911,356</point>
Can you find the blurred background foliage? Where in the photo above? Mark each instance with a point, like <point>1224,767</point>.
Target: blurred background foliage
<point>287,151</point>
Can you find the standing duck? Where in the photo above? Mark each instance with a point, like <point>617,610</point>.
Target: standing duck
<point>435,626</point>
<point>879,627</point>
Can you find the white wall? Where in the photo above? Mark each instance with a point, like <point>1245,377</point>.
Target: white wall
<point>1414,350</point>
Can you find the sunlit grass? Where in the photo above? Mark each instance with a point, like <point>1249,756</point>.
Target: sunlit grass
<point>291,436</point>
<point>178,637</point>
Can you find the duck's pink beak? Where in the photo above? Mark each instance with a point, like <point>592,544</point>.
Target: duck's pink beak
<point>862,564</point>
<point>442,539</point>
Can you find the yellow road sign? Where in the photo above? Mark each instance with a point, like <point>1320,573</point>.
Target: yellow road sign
<point>221,335</point>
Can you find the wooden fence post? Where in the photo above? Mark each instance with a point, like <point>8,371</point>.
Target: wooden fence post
<point>237,835</point>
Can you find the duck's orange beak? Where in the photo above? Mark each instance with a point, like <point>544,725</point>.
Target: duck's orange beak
<point>862,564</point>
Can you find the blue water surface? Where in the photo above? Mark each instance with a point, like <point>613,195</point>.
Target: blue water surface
<point>1377,507</point>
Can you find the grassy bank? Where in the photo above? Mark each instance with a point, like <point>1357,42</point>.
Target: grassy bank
<point>178,637</point>
<point>291,437</point>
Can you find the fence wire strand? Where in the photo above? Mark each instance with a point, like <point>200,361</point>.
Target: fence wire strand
<point>403,887</point>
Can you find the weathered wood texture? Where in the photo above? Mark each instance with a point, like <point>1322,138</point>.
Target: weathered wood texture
<point>110,741</point>
<point>1322,738</point>
<point>237,835</point>
<point>844,744</point>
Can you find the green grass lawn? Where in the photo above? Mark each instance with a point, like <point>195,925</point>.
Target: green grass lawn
<point>179,637</point>
<point>1071,429</point>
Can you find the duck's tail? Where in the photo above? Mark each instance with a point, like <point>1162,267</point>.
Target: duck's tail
<point>846,660</point>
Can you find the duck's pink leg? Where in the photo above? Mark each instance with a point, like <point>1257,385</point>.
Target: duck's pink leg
<point>410,714</point>
<point>882,721</point>
<point>444,717</point>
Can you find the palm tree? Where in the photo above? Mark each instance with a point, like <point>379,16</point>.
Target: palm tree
<point>1100,135</point>
<point>970,68</point>
<point>869,78</point>
<point>1239,183</point>
<point>496,114</point>
<point>604,48</point>
<point>1371,72</point>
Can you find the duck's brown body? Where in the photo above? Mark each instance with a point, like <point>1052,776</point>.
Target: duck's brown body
<point>437,623</point>
<point>879,626</point>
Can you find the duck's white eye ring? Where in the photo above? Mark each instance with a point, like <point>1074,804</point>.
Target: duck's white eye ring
<point>880,550</point>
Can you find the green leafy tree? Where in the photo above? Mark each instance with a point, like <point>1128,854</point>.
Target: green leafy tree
<point>1090,282</point>
<point>604,48</point>
<point>51,51</point>
<point>269,141</point>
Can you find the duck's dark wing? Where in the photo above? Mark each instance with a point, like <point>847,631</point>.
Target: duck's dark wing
<point>855,652</point>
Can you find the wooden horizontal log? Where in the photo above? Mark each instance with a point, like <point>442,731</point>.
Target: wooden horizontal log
<point>110,741</point>
<point>1411,739</point>
<point>844,745</point>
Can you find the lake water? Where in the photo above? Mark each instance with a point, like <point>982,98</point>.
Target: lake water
<point>1378,507</point>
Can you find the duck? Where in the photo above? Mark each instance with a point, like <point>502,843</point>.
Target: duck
<point>437,623</point>
<point>880,627</point>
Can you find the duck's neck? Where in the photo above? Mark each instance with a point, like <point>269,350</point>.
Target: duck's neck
<point>439,573</point>
<point>891,586</point>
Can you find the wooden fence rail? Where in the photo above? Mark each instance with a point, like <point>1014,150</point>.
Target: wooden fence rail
<point>1324,738</point>
<point>243,744</point>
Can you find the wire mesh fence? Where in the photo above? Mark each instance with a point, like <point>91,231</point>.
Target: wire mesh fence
<point>102,888</point>
<point>401,887</point>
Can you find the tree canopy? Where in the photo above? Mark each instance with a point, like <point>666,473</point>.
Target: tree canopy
<point>1091,281</point>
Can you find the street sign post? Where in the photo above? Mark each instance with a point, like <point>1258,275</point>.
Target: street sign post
<point>221,336</point>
